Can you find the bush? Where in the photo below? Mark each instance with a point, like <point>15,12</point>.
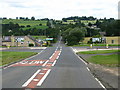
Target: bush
<point>31,45</point>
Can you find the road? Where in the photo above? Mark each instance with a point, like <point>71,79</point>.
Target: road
<point>54,67</point>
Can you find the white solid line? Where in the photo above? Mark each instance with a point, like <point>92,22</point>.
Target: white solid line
<point>54,63</point>
<point>26,83</point>
<point>79,57</point>
<point>44,77</point>
<point>52,55</point>
<point>45,63</point>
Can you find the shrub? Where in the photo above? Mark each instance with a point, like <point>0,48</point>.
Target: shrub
<point>31,45</point>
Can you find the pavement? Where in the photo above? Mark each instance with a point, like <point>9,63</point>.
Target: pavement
<point>53,67</point>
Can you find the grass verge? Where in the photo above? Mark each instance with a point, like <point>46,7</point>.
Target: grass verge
<point>9,57</point>
<point>98,52</point>
<point>106,60</point>
<point>80,45</point>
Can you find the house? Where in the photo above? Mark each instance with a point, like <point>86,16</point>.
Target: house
<point>18,41</point>
<point>108,40</point>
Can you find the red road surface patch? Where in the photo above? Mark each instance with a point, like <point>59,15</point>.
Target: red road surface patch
<point>30,63</point>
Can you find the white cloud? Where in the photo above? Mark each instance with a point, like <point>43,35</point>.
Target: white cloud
<point>58,9</point>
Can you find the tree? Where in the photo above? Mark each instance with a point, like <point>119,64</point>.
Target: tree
<point>33,18</point>
<point>74,35</point>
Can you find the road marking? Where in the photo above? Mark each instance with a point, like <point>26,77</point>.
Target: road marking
<point>54,63</point>
<point>100,83</point>
<point>42,73</point>
<point>30,63</point>
<point>36,80</point>
<point>88,69</point>
<point>79,57</point>
<point>25,59</point>
<point>44,77</point>
<point>26,83</point>
<point>45,63</point>
<point>45,69</point>
<point>57,57</point>
<point>41,76</point>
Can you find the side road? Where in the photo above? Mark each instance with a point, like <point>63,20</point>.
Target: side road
<point>107,75</point>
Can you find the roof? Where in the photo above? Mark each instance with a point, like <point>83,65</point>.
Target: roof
<point>6,39</point>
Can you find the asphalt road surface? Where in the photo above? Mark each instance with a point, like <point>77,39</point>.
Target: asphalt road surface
<point>54,67</point>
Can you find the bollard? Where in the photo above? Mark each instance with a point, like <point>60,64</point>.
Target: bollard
<point>106,45</point>
<point>90,45</point>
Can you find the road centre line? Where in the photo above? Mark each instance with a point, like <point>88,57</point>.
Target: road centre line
<point>45,74</point>
<point>44,77</point>
<point>26,83</point>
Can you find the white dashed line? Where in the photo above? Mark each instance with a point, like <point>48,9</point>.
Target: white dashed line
<point>88,69</point>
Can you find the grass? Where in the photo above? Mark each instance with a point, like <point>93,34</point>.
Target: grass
<point>39,37</point>
<point>99,51</point>
<point>106,60</point>
<point>37,27</point>
<point>24,23</point>
<point>96,45</point>
<point>9,57</point>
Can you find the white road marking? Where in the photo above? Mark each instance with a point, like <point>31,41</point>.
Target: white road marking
<point>44,69</point>
<point>100,84</point>
<point>45,63</point>
<point>88,69</point>
<point>54,63</point>
<point>24,62</point>
<point>31,62</point>
<point>36,80</point>
<point>41,73</point>
<point>79,57</point>
<point>43,78</point>
<point>57,57</point>
<point>51,56</point>
<point>26,83</point>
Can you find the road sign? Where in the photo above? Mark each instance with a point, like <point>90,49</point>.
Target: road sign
<point>49,38</point>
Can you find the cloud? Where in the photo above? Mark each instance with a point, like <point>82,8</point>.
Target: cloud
<point>57,9</point>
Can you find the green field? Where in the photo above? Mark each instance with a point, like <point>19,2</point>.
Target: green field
<point>107,60</point>
<point>99,51</point>
<point>37,27</point>
<point>32,23</point>
<point>82,21</point>
<point>39,37</point>
<point>24,23</point>
<point>9,57</point>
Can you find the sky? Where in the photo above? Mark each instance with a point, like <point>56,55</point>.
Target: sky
<point>58,9</point>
